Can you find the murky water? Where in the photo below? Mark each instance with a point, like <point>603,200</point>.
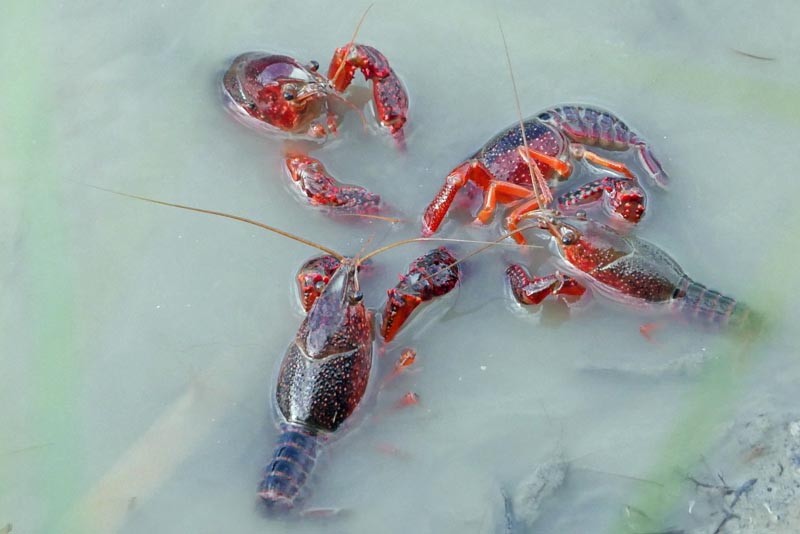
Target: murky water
<point>140,343</point>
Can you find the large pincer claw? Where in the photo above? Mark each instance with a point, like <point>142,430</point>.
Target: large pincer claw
<point>433,275</point>
<point>321,189</point>
<point>388,92</point>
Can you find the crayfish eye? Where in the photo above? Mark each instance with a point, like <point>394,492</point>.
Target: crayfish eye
<point>318,285</point>
<point>289,92</point>
<point>313,65</point>
<point>357,297</point>
<point>568,237</point>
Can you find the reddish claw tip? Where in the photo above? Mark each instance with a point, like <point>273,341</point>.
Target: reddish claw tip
<point>398,308</point>
<point>432,218</point>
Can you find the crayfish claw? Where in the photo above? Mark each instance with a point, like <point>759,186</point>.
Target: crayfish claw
<point>315,183</point>
<point>431,275</point>
<point>388,93</point>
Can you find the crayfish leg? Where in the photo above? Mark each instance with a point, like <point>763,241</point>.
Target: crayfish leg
<point>507,191</point>
<point>578,151</point>
<point>516,215</point>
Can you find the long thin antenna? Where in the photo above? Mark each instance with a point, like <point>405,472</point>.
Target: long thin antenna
<point>337,255</point>
<point>264,226</point>
<point>393,220</point>
<point>352,41</point>
<point>487,244</point>
<point>534,175</point>
<point>354,107</point>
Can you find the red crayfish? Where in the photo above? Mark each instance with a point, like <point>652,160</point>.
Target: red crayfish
<point>279,94</point>
<point>625,269</point>
<point>546,145</point>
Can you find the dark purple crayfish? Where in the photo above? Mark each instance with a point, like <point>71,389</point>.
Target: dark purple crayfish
<point>325,371</point>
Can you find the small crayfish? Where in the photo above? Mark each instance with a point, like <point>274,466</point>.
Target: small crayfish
<point>278,94</point>
<point>625,269</point>
<point>543,147</point>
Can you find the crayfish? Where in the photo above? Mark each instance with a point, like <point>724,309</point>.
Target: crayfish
<point>279,94</point>
<point>625,269</point>
<point>544,148</point>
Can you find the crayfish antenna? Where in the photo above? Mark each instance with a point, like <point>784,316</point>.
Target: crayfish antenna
<point>349,104</point>
<point>349,45</point>
<point>537,178</point>
<point>261,225</point>
<point>342,64</point>
<point>486,245</point>
<point>393,220</point>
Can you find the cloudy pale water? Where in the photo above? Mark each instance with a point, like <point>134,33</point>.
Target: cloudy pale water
<point>140,343</point>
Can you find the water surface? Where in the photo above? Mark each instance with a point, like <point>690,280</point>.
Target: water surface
<point>140,343</point>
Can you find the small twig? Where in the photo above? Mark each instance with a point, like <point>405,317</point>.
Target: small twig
<point>728,517</point>
<point>753,56</point>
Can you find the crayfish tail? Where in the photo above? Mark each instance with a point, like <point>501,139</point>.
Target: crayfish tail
<point>286,474</point>
<point>697,302</point>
